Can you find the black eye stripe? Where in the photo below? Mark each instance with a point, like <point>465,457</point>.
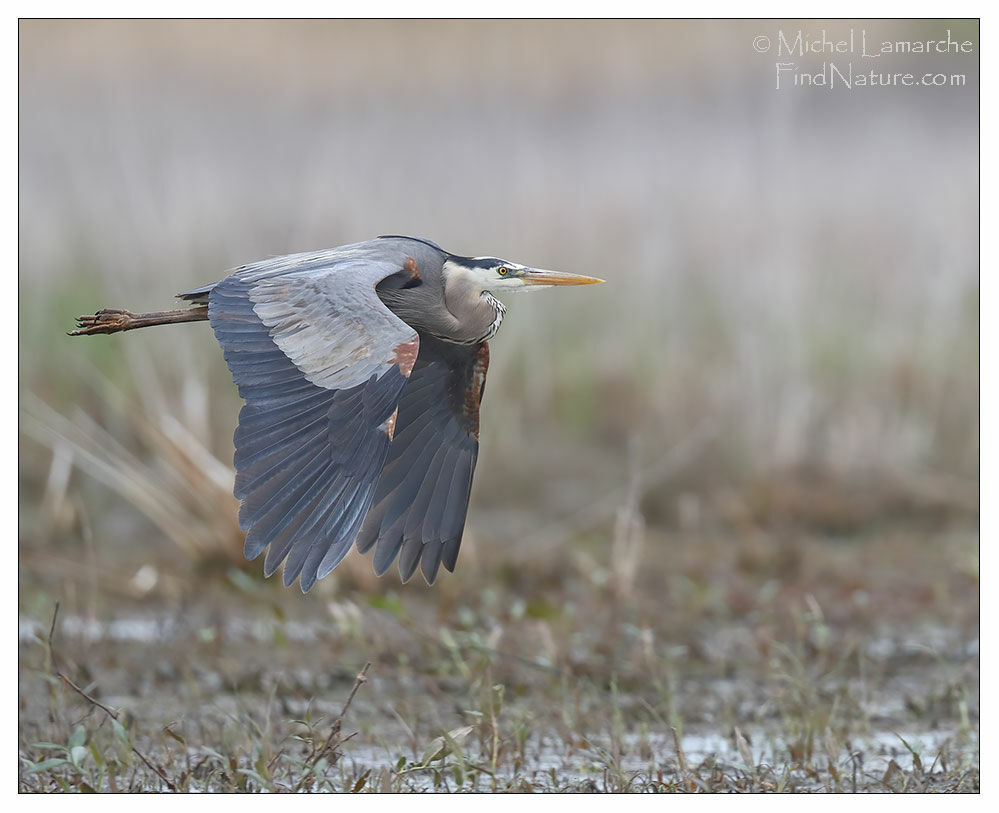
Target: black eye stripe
<point>485,263</point>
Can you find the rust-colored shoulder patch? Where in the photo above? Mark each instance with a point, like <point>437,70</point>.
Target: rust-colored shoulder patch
<point>388,427</point>
<point>411,268</point>
<point>405,356</point>
<point>475,388</point>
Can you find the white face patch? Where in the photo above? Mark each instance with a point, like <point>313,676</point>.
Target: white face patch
<point>462,275</point>
<point>482,278</point>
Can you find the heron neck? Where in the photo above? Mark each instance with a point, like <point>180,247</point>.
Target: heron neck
<point>478,316</point>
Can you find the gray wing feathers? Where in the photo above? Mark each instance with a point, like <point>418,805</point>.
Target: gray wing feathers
<point>312,439</point>
<point>331,324</point>
<point>421,500</point>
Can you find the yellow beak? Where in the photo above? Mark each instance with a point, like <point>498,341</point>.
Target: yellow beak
<point>539,276</point>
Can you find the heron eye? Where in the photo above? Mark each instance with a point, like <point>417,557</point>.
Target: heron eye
<point>502,270</point>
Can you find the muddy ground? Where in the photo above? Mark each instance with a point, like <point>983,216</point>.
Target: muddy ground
<point>715,677</point>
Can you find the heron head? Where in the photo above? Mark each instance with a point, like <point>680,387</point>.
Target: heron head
<point>496,275</point>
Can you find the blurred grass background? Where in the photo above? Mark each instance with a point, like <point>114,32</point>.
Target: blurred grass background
<point>787,341</point>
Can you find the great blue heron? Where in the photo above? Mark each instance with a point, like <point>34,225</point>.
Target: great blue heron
<point>362,368</point>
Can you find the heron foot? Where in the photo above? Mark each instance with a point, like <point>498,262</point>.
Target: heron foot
<point>106,320</point>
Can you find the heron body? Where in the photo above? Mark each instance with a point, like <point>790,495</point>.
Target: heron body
<point>362,368</point>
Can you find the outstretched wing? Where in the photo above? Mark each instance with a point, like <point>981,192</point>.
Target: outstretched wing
<point>321,364</point>
<point>421,499</point>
